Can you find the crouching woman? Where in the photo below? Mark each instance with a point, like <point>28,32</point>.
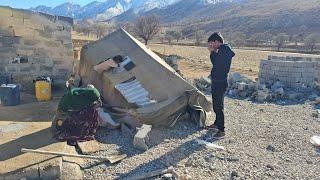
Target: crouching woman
<point>77,116</point>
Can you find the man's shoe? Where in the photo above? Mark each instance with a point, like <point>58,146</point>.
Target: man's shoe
<point>213,127</point>
<point>219,135</point>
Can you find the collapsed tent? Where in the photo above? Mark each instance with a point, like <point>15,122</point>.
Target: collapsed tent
<point>151,90</point>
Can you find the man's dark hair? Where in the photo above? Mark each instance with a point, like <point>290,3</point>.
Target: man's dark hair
<point>118,59</point>
<point>216,36</point>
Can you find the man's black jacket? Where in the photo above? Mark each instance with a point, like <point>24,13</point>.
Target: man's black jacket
<point>221,61</point>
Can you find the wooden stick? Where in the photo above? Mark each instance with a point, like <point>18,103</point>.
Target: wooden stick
<point>110,159</point>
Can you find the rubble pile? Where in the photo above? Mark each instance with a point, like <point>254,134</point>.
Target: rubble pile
<point>172,60</point>
<point>244,88</point>
<point>203,84</point>
<point>240,86</point>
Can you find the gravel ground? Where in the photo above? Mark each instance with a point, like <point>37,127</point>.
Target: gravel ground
<point>263,141</point>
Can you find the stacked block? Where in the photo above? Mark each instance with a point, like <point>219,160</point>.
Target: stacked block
<point>294,72</point>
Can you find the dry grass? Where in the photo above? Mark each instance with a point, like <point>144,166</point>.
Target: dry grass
<point>196,63</point>
<point>81,36</point>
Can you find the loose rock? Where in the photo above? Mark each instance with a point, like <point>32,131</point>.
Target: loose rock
<point>271,148</point>
<point>141,139</point>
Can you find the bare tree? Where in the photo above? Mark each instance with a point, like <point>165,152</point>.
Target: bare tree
<point>86,30</point>
<point>85,27</point>
<point>168,36</point>
<point>311,41</point>
<point>258,38</point>
<point>199,35</point>
<point>177,35</point>
<point>147,27</point>
<point>238,39</point>
<point>296,39</point>
<point>128,26</point>
<point>162,38</point>
<point>302,31</point>
<point>76,27</point>
<point>280,40</point>
<point>100,30</point>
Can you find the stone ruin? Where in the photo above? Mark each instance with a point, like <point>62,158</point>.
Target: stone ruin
<point>300,73</point>
<point>280,78</point>
<point>34,44</point>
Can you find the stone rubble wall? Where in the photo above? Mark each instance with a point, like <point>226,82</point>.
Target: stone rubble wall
<point>294,72</point>
<point>44,39</point>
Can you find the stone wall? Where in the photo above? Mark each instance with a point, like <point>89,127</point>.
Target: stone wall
<point>294,72</point>
<point>42,42</point>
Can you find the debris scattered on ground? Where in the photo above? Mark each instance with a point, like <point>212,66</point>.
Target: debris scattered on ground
<point>234,174</point>
<point>240,86</point>
<point>172,60</point>
<point>315,114</point>
<point>271,148</point>
<point>209,145</point>
<point>317,101</point>
<point>244,88</point>
<point>165,172</point>
<point>315,140</point>
<point>203,84</point>
<point>88,147</point>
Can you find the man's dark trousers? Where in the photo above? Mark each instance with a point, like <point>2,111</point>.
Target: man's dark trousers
<point>218,93</point>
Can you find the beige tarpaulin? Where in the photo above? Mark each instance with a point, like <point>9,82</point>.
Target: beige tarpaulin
<point>170,91</point>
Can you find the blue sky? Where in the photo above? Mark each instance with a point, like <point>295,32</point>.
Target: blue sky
<point>33,3</point>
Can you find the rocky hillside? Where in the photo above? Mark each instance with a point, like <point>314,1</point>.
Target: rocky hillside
<point>248,16</point>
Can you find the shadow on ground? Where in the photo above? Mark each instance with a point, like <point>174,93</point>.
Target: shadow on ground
<point>171,158</point>
<point>157,136</point>
<point>30,109</point>
<point>31,141</point>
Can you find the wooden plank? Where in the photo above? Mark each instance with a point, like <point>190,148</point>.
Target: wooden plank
<point>111,159</point>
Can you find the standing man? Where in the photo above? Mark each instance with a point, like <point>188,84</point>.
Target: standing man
<point>221,56</point>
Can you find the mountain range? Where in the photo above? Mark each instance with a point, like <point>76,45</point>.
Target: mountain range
<point>105,10</point>
<point>108,9</point>
<point>248,16</point>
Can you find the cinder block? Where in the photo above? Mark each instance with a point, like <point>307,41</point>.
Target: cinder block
<point>141,139</point>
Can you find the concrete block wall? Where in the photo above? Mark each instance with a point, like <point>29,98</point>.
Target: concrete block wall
<point>44,39</point>
<point>294,72</point>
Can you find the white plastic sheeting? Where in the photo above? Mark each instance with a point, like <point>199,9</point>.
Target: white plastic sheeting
<point>135,93</point>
